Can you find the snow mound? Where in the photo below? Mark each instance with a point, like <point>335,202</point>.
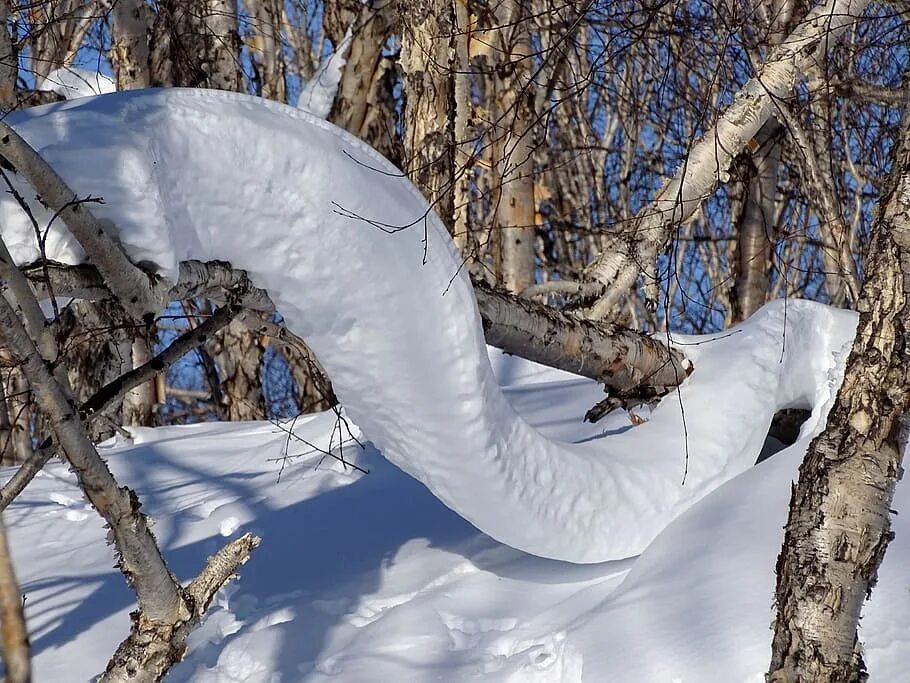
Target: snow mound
<point>369,578</point>
<point>364,271</point>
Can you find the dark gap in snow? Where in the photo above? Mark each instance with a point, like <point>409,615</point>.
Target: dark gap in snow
<point>784,431</point>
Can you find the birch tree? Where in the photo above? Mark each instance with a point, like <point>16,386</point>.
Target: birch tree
<point>839,523</point>
<point>708,161</point>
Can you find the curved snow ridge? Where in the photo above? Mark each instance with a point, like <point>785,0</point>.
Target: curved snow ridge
<point>365,272</point>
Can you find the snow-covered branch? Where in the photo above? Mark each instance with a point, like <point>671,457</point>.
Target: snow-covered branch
<point>133,287</point>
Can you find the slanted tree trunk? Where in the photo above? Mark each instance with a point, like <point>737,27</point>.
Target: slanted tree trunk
<point>839,523</point>
<point>365,102</point>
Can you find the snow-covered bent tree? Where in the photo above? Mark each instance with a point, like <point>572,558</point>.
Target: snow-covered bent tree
<point>365,272</point>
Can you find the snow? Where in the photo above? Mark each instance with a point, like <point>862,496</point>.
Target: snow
<point>407,574</point>
<point>318,94</point>
<point>367,275</point>
<point>370,578</point>
<point>71,82</point>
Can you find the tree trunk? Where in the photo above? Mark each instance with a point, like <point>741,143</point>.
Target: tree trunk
<point>266,48</point>
<point>9,62</point>
<point>132,22</point>
<point>513,146</point>
<point>13,634</point>
<point>839,525</point>
<point>139,403</point>
<point>429,139</point>
<point>197,45</point>
<point>16,430</point>
<point>756,225</point>
<point>365,103</point>
<point>238,353</point>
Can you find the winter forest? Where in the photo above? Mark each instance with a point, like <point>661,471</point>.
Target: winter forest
<point>459,340</point>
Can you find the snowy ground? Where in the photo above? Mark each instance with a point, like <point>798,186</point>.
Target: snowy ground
<point>370,578</point>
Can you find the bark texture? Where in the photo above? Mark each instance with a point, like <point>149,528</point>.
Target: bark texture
<point>9,62</point>
<point>132,22</point>
<point>16,417</point>
<point>365,102</point>
<point>633,366</point>
<point>513,145</point>
<point>429,141</point>
<point>839,524</point>
<point>197,45</point>
<point>756,225</point>
<point>266,48</point>
<point>238,353</point>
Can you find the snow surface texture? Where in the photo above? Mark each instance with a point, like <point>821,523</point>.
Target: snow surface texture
<point>367,275</point>
<point>369,579</point>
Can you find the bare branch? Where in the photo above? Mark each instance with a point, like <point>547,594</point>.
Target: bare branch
<point>189,340</point>
<point>25,474</point>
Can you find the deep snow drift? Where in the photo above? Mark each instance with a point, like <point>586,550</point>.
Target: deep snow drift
<point>367,275</point>
<point>367,578</point>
